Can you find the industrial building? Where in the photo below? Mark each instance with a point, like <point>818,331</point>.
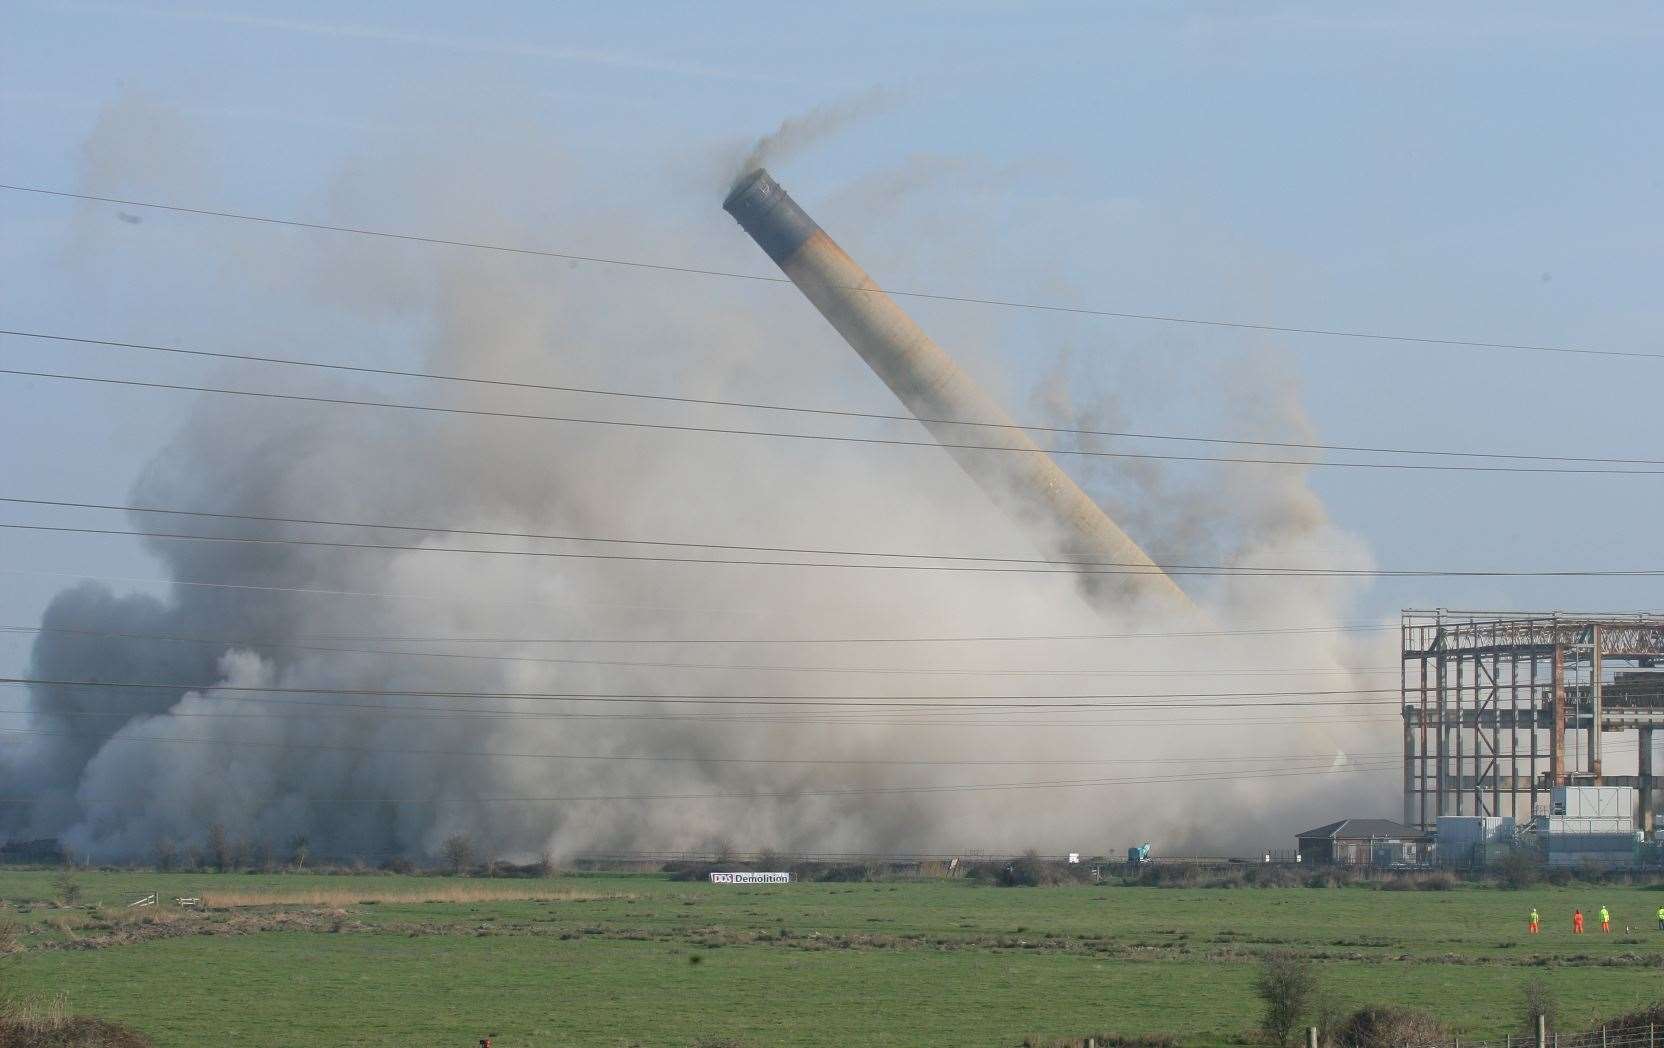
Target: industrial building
<point>1500,708</point>
<point>1365,842</point>
<point>1470,841</point>
<point>1589,826</point>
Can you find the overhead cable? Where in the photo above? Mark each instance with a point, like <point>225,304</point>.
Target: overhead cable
<point>1024,703</point>
<point>702,759</point>
<point>270,643</point>
<point>842,791</point>
<point>1221,570</point>
<point>1165,318</point>
<point>828,412</point>
<point>835,438</point>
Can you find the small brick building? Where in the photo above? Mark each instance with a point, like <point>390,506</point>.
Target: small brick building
<point>1365,842</point>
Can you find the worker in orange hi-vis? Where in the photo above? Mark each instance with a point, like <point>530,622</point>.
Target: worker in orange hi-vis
<point>1577,922</point>
<point>1534,920</point>
<point>1605,921</point>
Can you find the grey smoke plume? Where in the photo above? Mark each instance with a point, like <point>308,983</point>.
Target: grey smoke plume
<point>362,779</point>
<point>798,133</point>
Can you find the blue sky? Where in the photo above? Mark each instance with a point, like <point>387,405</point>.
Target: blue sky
<point>1490,173</point>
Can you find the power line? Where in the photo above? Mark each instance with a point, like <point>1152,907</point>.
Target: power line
<point>675,544</point>
<point>658,759</point>
<point>1275,631</point>
<point>1129,568</point>
<point>1027,703</point>
<point>842,791</point>
<point>765,279</point>
<point>917,719</point>
<point>829,412</point>
<point>781,434</point>
<point>430,528</point>
<point>259,642</point>
<point>449,598</point>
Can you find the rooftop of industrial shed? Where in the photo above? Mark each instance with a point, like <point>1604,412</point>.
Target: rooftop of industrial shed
<point>1363,829</point>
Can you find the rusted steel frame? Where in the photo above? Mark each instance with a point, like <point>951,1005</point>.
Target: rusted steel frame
<point>1644,772</point>
<point>1595,672</point>
<point>1514,735</point>
<point>1441,730</point>
<point>1461,733</point>
<point>1422,768</point>
<point>1496,736</point>
<point>1404,711</point>
<point>1532,695</point>
<point>1557,740</point>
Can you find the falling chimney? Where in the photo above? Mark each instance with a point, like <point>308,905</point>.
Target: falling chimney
<point>1020,477</point>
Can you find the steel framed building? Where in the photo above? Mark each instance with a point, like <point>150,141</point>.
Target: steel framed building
<point>1499,707</point>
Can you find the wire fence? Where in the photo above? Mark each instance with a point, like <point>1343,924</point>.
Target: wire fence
<point>1626,1037</point>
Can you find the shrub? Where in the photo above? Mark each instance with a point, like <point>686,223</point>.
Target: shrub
<point>1636,1026</point>
<point>1162,875</point>
<point>837,872</point>
<point>458,851</point>
<point>219,847</point>
<point>1537,997</point>
<point>1329,1018</point>
<point>1104,1040</point>
<point>1277,875</point>
<point>1287,986</point>
<point>66,889</point>
<point>70,1032</point>
<point>46,1024</point>
<point>1436,882</point>
<point>1383,1027</point>
<point>1517,870</point>
<point>167,854</point>
<point>1029,871</point>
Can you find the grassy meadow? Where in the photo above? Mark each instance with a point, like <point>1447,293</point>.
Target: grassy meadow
<point>304,960</point>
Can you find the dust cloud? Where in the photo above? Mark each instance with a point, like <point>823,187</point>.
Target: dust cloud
<point>372,763</point>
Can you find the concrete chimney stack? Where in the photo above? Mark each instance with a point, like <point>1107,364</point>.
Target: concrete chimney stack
<point>1021,478</point>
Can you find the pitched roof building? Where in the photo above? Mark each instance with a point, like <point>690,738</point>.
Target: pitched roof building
<point>1365,842</point>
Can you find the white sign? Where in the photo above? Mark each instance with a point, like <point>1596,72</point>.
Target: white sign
<point>751,878</point>
<point>1074,857</point>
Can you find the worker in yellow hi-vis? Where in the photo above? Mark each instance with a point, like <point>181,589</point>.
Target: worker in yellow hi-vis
<point>1605,920</point>
<point>1661,918</point>
<point>1535,920</point>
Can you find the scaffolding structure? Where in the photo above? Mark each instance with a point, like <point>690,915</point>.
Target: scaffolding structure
<point>1499,707</point>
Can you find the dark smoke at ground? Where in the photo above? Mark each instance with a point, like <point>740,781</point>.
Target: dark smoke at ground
<point>347,777</point>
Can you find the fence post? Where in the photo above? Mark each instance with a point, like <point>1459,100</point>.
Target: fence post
<point>1603,1037</point>
<point>1542,1031</point>
<point>1311,1037</point>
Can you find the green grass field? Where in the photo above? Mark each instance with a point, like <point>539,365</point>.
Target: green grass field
<point>638,959</point>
